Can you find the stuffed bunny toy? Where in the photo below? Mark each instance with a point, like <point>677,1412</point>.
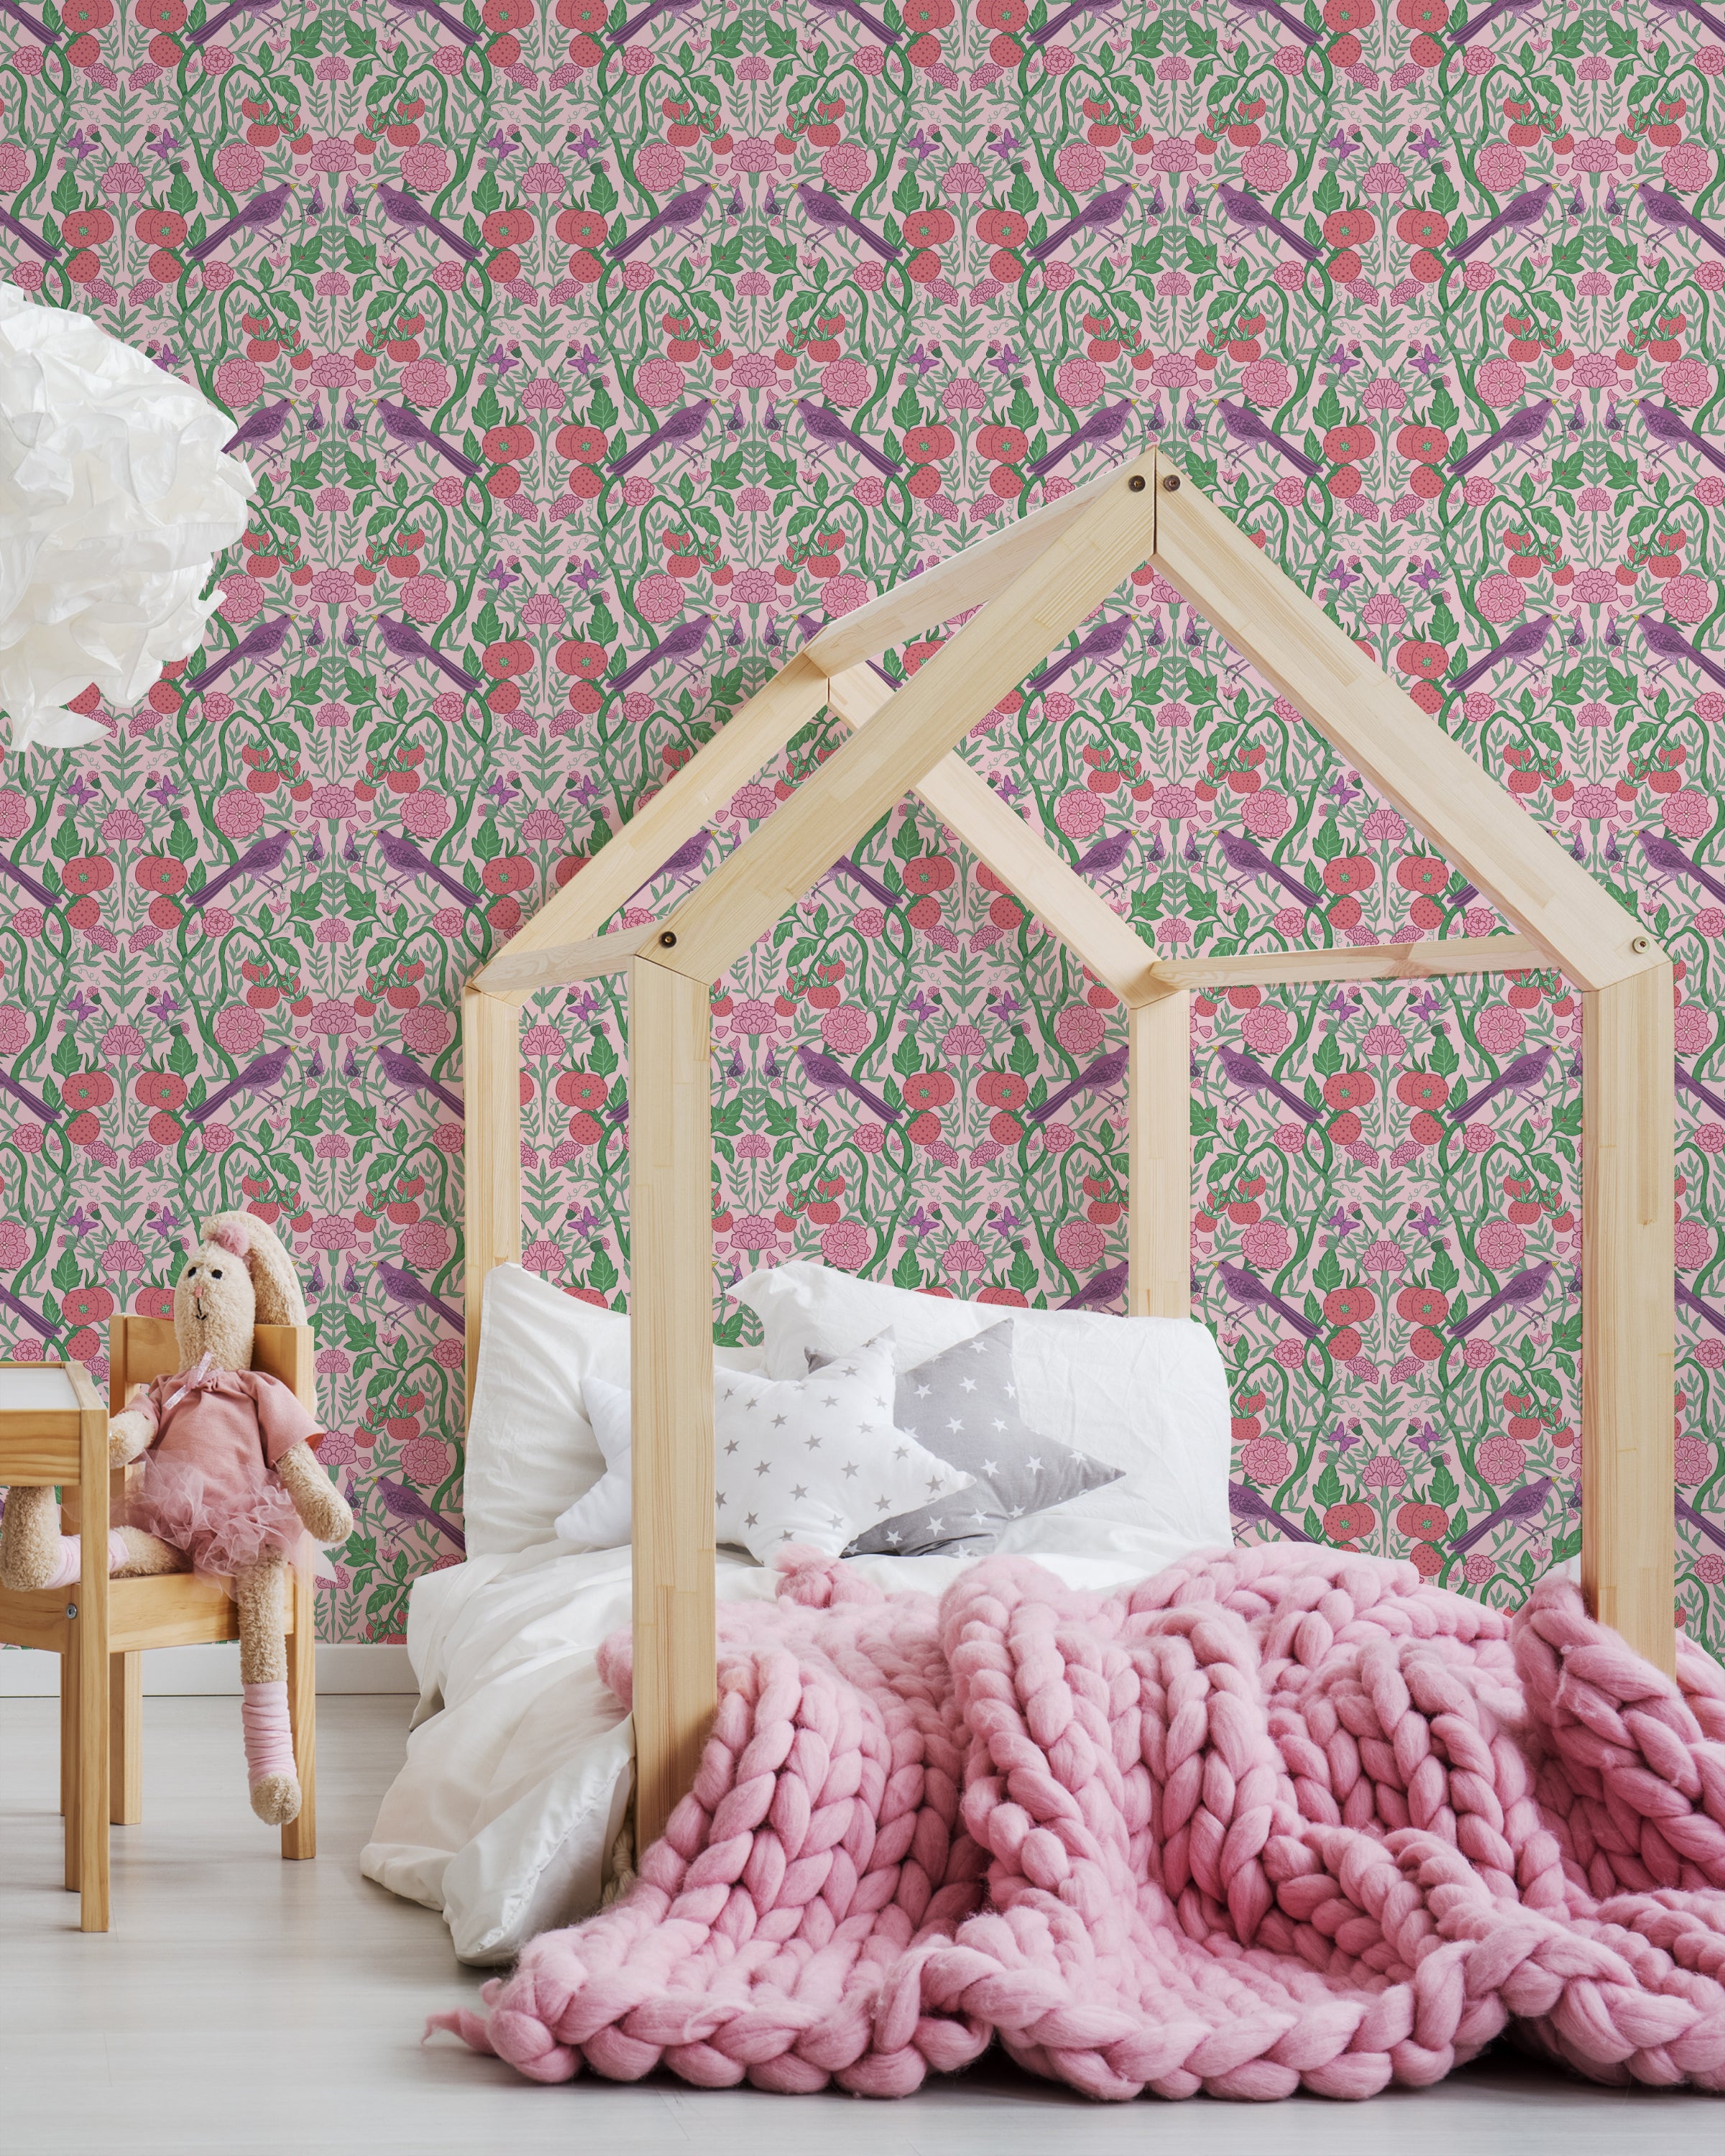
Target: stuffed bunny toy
<point>229,1484</point>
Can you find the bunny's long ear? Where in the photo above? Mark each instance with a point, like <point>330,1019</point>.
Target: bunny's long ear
<point>281,1299</point>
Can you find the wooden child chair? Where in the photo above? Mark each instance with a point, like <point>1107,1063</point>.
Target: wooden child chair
<point>167,1609</point>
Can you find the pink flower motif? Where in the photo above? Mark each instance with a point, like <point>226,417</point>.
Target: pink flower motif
<point>1266,383</point>
<point>1694,1245</point>
<point>754,587</point>
<point>844,595</point>
<point>1266,1244</point>
<point>1499,1460</point>
<point>242,600</point>
<point>1266,814</point>
<point>1687,166</point>
<point>1080,1244</point>
<point>659,597</point>
<point>1688,814</point>
<point>848,1029</point>
<point>1383,1471</point>
<point>1595,587</point>
<point>1079,1028</point>
<point>658,168</point>
<point>238,1030</point>
<point>427,1029</point>
<point>1079,167</point>
<point>963,1255</point>
<point>1173,804</point>
<point>1499,1245</point>
<point>1688,598</point>
<point>753,369</point>
<point>754,153</point>
<point>847,382</point>
<point>754,1231</point>
<point>1383,610</point>
<point>847,1244</point>
<point>237,166</point>
<point>427,815</point>
<point>1079,382</point>
<point>1694,1029</point>
<point>15,1245</point>
<point>425,1244</point>
<point>424,598</point>
<point>751,802</point>
<point>424,381</point>
<point>333,1232</point>
<point>237,813</point>
<point>1266,1459</point>
<point>1500,168</point>
<point>1266,1028</point>
<point>1501,597</point>
<point>120,1043</point>
<point>1173,154</point>
<point>658,383</point>
<point>1174,369</point>
<point>1687,381</point>
<point>238,382</point>
<point>1501,1028</point>
<point>332,587</point>
<point>753,1016</point>
<point>963,394</point>
<point>1500,381</point>
<point>1266,168</point>
<point>1594,370</point>
<point>333,1019</point>
<point>847,166</point>
<point>1078,814</point>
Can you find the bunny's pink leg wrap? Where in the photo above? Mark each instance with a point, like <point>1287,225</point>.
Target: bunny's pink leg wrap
<point>269,1735</point>
<point>70,1566</point>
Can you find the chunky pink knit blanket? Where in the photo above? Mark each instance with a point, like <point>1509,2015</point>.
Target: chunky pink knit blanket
<point>1273,1819</point>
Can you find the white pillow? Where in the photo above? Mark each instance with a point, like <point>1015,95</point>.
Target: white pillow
<point>530,1448</point>
<point>1149,1394</point>
<point>814,1460</point>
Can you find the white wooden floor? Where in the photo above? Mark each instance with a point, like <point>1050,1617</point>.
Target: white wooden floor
<point>242,2004</point>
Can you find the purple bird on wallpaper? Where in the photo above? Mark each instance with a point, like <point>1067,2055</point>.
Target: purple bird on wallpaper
<point>33,240</point>
<point>216,24</point>
<point>678,213</point>
<point>262,640</point>
<point>402,1287</point>
<point>1107,640</point>
<point>456,29</point>
<point>831,431</point>
<point>1095,1077</point>
<point>1526,425</point>
<point>48,900</point>
<point>402,1071</point>
<point>1106,425</point>
<point>1245,209</point>
<point>402,640</point>
<point>1705,1311</point>
<point>683,642</point>
<point>407,429</point>
<point>1687,1512</point>
<point>1291,24</point>
<point>1670,216</point>
<point>1671,860</point>
<point>1517,1293</point>
<point>830,214</point>
<point>1516,215</point>
<point>1697,12</point>
<point>1527,1503</point>
<point>1100,1288</point>
<point>34,1101</point>
<point>831,1076</point>
<point>1525,641</point>
<point>1474,23</point>
<point>263,209</point>
<point>650,13</point>
<point>1245,1504</point>
<point>846,866</point>
<point>688,860</point>
<point>404,1504</point>
<point>1250,431</point>
<point>260,858</point>
<point>406,210</point>
<point>26,21</point>
<point>1074,9</point>
<point>1249,1074</point>
<point>1246,1287</point>
<point>1108,854</point>
<point>1672,432</point>
<point>263,426</point>
<point>858,13</point>
<point>1668,645</point>
<point>19,1308</point>
<point>1098,213</point>
<point>260,1075</point>
<point>405,858</point>
<point>1687,1082</point>
<point>688,425</point>
<point>1517,1077</point>
<point>1246,858</point>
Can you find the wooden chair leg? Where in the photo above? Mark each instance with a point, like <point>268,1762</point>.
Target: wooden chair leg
<point>298,1837</point>
<point>125,1739</point>
<point>69,1757</point>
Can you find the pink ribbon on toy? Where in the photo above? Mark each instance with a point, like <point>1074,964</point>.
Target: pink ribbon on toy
<point>192,1381</point>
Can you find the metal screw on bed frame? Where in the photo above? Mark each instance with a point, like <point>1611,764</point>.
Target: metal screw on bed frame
<point>1640,943</point>
<point>1135,484</point>
<point>71,1609</point>
<point>667,940</point>
<point>1171,485</point>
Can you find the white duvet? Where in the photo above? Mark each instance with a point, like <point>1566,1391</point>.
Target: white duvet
<point>519,1762</point>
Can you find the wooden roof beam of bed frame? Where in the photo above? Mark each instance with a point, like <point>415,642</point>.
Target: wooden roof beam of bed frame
<point>1379,961</point>
<point>515,974</point>
<point>1065,582</point>
<point>1344,693</point>
<point>1018,853</point>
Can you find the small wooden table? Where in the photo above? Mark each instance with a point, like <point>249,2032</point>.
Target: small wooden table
<point>53,1430</point>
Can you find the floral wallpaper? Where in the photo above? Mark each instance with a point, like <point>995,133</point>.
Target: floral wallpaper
<point>589,360</point>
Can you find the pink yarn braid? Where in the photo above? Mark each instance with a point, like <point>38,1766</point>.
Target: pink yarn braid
<point>1275,1818</point>
<point>269,1732</point>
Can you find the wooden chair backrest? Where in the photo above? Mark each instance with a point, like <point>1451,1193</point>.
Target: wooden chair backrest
<point>141,1349</point>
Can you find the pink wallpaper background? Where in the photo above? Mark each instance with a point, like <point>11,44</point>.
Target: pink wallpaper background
<point>554,332</point>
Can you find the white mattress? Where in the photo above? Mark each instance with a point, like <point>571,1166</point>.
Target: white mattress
<point>519,1762</point>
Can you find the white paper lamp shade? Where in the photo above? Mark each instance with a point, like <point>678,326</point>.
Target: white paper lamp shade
<point>115,497</point>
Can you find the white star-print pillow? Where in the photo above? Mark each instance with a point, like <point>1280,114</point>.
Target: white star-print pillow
<point>815,1460</point>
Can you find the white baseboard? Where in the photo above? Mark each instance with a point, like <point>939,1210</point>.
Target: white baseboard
<point>342,1666</point>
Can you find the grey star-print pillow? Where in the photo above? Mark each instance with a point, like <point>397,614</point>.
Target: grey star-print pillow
<point>962,1405</point>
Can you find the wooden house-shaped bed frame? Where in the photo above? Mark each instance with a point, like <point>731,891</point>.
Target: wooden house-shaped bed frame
<point>1034,582</point>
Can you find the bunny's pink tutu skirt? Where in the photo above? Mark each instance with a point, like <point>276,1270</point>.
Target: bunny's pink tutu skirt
<point>172,1498</point>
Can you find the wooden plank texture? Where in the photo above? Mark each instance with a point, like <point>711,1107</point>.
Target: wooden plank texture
<point>1628,1266</point>
<point>1381,962</point>
<point>89,1647</point>
<point>1432,780</point>
<point>514,975</point>
<point>491,1060</point>
<point>671,1371</point>
<point>1065,582</point>
<point>1018,853</point>
<point>125,1739</point>
<point>969,578</point>
<point>754,735</point>
<point>1159,1147</point>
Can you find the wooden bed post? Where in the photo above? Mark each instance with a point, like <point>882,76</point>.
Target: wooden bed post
<point>672,1369</point>
<point>1628,1354</point>
<point>1159,1201</point>
<point>491,1065</point>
